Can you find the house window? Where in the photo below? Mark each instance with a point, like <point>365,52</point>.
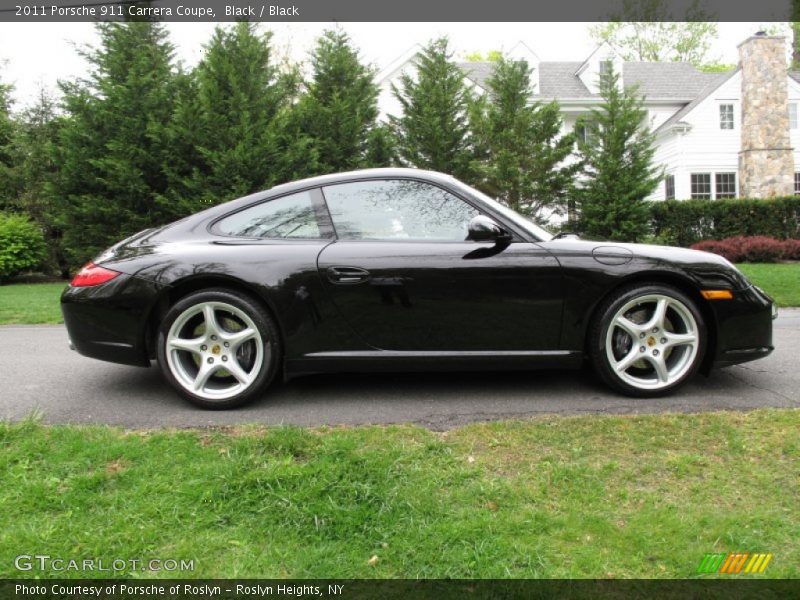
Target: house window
<point>583,132</point>
<point>725,185</point>
<point>605,67</point>
<point>793,116</point>
<point>669,187</point>
<point>726,116</point>
<point>797,184</point>
<point>701,186</point>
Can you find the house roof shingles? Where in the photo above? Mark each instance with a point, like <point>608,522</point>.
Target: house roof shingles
<point>663,81</point>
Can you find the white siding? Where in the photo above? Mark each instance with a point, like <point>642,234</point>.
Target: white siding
<point>658,114</point>
<point>707,148</point>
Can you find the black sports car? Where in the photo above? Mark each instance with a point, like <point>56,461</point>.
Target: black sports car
<point>400,269</point>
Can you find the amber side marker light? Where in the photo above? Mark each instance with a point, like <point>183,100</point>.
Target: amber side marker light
<point>717,294</point>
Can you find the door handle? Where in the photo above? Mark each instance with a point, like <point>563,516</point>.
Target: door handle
<point>347,275</point>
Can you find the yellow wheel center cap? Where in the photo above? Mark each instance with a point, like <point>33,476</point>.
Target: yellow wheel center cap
<point>651,341</point>
<point>215,349</point>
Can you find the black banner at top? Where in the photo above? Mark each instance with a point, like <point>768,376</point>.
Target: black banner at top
<point>396,11</point>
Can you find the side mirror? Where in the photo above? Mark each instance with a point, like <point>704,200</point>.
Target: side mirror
<point>484,229</point>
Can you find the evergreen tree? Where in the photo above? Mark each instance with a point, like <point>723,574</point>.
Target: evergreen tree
<point>522,151</point>
<point>433,130</point>
<point>8,183</point>
<point>340,106</point>
<point>38,133</point>
<point>229,121</point>
<point>113,148</point>
<point>381,149</point>
<point>618,156</point>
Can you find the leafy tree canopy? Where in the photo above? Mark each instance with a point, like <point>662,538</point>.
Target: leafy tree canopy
<point>646,30</point>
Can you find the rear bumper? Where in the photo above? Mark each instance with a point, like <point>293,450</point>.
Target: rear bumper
<point>744,327</point>
<point>108,321</point>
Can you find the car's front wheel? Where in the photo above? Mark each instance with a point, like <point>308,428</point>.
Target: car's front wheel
<point>218,348</point>
<point>647,340</point>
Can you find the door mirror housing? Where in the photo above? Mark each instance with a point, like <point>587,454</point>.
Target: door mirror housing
<point>485,229</point>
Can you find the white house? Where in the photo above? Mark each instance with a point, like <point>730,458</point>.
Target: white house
<point>718,135</point>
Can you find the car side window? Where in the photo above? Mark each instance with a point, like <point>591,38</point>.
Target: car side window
<point>288,217</point>
<point>397,209</point>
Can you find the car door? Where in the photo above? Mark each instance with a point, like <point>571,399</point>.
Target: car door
<point>404,277</point>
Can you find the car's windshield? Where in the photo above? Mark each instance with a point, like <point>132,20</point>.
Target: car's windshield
<point>538,232</point>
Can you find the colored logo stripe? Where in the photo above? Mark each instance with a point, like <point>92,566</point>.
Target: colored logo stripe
<point>734,563</point>
<point>711,563</point>
<point>758,563</point>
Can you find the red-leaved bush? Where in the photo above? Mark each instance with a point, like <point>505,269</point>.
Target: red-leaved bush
<point>721,247</point>
<point>791,249</point>
<point>761,249</point>
<point>756,248</point>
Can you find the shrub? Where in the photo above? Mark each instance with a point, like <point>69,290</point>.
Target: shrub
<point>756,248</point>
<point>760,248</point>
<point>791,249</point>
<point>21,245</point>
<point>721,247</point>
<point>685,222</point>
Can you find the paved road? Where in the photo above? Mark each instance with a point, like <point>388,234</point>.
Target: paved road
<point>39,372</point>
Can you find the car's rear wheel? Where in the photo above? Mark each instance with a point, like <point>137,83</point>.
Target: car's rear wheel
<point>218,348</point>
<point>647,340</point>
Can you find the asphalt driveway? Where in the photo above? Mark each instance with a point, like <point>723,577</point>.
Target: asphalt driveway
<point>39,373</point>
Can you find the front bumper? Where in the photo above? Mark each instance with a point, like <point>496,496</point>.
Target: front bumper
<point>109,321</point>
<point>744,327</point>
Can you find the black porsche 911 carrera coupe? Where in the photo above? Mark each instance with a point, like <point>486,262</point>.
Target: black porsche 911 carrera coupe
<point>401,269</point>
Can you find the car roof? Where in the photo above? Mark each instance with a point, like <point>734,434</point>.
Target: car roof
<point>359,174</point>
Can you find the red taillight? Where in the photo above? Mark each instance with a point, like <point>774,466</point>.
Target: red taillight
<point>91,275</point>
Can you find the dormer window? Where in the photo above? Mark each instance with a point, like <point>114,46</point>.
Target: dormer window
<point>605,67</point>
<point>726,116</point>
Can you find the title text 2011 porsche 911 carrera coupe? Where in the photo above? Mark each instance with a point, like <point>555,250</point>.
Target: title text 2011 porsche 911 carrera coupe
<point>400,269</point>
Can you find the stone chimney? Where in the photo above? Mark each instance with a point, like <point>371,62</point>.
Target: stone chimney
<point>766,162</point>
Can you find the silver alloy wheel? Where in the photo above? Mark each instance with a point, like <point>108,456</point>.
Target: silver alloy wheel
<point>652,341</point>
<point>214,350</point>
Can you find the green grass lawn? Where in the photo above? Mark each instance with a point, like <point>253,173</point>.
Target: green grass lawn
<point>781,281</point>
<point>30,303</point>
<point>643,496</point>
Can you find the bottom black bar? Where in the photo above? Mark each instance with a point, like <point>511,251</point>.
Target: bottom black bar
<point>424,589</point>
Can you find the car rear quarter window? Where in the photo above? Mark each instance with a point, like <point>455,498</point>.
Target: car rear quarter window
<point>397,210</point>
<point>289,217</point>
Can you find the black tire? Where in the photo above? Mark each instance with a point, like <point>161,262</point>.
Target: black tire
<point>267,332</point>
<point>642,379</point>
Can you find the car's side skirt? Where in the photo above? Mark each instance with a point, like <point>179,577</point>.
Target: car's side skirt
<point>436,360</point>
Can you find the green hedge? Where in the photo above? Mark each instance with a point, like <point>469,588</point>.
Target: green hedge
<point>684,222</point>
<point>22,245</point>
